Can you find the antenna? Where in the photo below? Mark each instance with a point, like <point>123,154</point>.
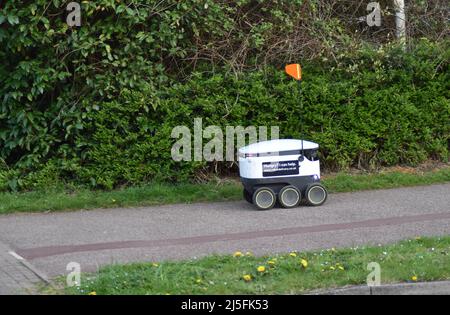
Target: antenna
<point>295,71</point>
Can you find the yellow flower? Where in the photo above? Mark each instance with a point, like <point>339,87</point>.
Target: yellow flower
<point>155,265</point>
<point>249,254</point>
<point>332,268</point>
<point>333,249</point>
<point>341,268</point>
<point>247,278</point>
<point>261,268</point>
<point>92,293</point>
<point>237,254</point>
<point>114,200</point>
<point>304,263</point>
<point>198,281</point>
<point>293,254</point>
<point>271,262</point>
<point>414,278</point>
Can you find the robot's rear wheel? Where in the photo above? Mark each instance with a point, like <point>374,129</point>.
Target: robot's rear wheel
<point>264,198</point>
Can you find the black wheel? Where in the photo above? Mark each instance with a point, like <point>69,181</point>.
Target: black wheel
<point>264,198</point>
<point>315,194</point>
<point>247,196</point>
<point>289,196</point>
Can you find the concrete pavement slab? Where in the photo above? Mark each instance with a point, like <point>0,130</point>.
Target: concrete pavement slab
<point>15,277</point>
<point>419,288</point>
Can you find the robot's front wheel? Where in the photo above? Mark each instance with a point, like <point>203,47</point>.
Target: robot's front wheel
<point>316,194</point>
<point>264,198</point>
<point>289,196</point>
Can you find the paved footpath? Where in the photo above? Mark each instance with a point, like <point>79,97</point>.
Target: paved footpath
<point>94,238</point>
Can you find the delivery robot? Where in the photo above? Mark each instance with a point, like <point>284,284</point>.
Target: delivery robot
<point>283,170</point>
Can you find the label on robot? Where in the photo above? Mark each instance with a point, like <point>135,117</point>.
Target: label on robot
<point>280,168</point>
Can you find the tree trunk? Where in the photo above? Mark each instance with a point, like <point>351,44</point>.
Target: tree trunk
<point>400,21</point>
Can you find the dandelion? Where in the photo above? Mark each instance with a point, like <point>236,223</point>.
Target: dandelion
<point>261,268</point>
<point>293,254</point>
<point>247,278</point>
<point>414,278</point>
<point>271,263</point>
<point>341,268</point>
<point>304,263</point>
<point>249,254</point>
<point>237,254</point>
<point>332,268</point>
<point>198,281</point>
<point>155,265</point>
<point>92,293</point>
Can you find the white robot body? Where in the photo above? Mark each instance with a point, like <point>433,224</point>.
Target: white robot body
<point>279,158</point>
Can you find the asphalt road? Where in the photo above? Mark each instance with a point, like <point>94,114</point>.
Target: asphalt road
<point>97,237</point>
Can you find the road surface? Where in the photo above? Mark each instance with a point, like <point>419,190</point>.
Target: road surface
<point>98,237</point>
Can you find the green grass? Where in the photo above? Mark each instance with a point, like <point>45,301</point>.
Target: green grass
<point>156,194</point>
<point>345,183</point>
<point>425,258</point>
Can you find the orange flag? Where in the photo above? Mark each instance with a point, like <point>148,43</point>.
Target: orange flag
<point>294,70</point>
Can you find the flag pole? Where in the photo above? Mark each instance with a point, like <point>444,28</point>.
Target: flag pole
<point>295,71</point>
<point>301,114</point>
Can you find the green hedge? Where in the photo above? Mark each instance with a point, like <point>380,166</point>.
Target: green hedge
<point>387,108</point>
<point>95,105</point>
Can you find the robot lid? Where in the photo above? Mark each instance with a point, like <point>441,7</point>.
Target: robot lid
<point>279,145</point>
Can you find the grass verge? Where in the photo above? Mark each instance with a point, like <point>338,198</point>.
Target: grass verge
<point>420,259</point>
<point>156,194</point>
